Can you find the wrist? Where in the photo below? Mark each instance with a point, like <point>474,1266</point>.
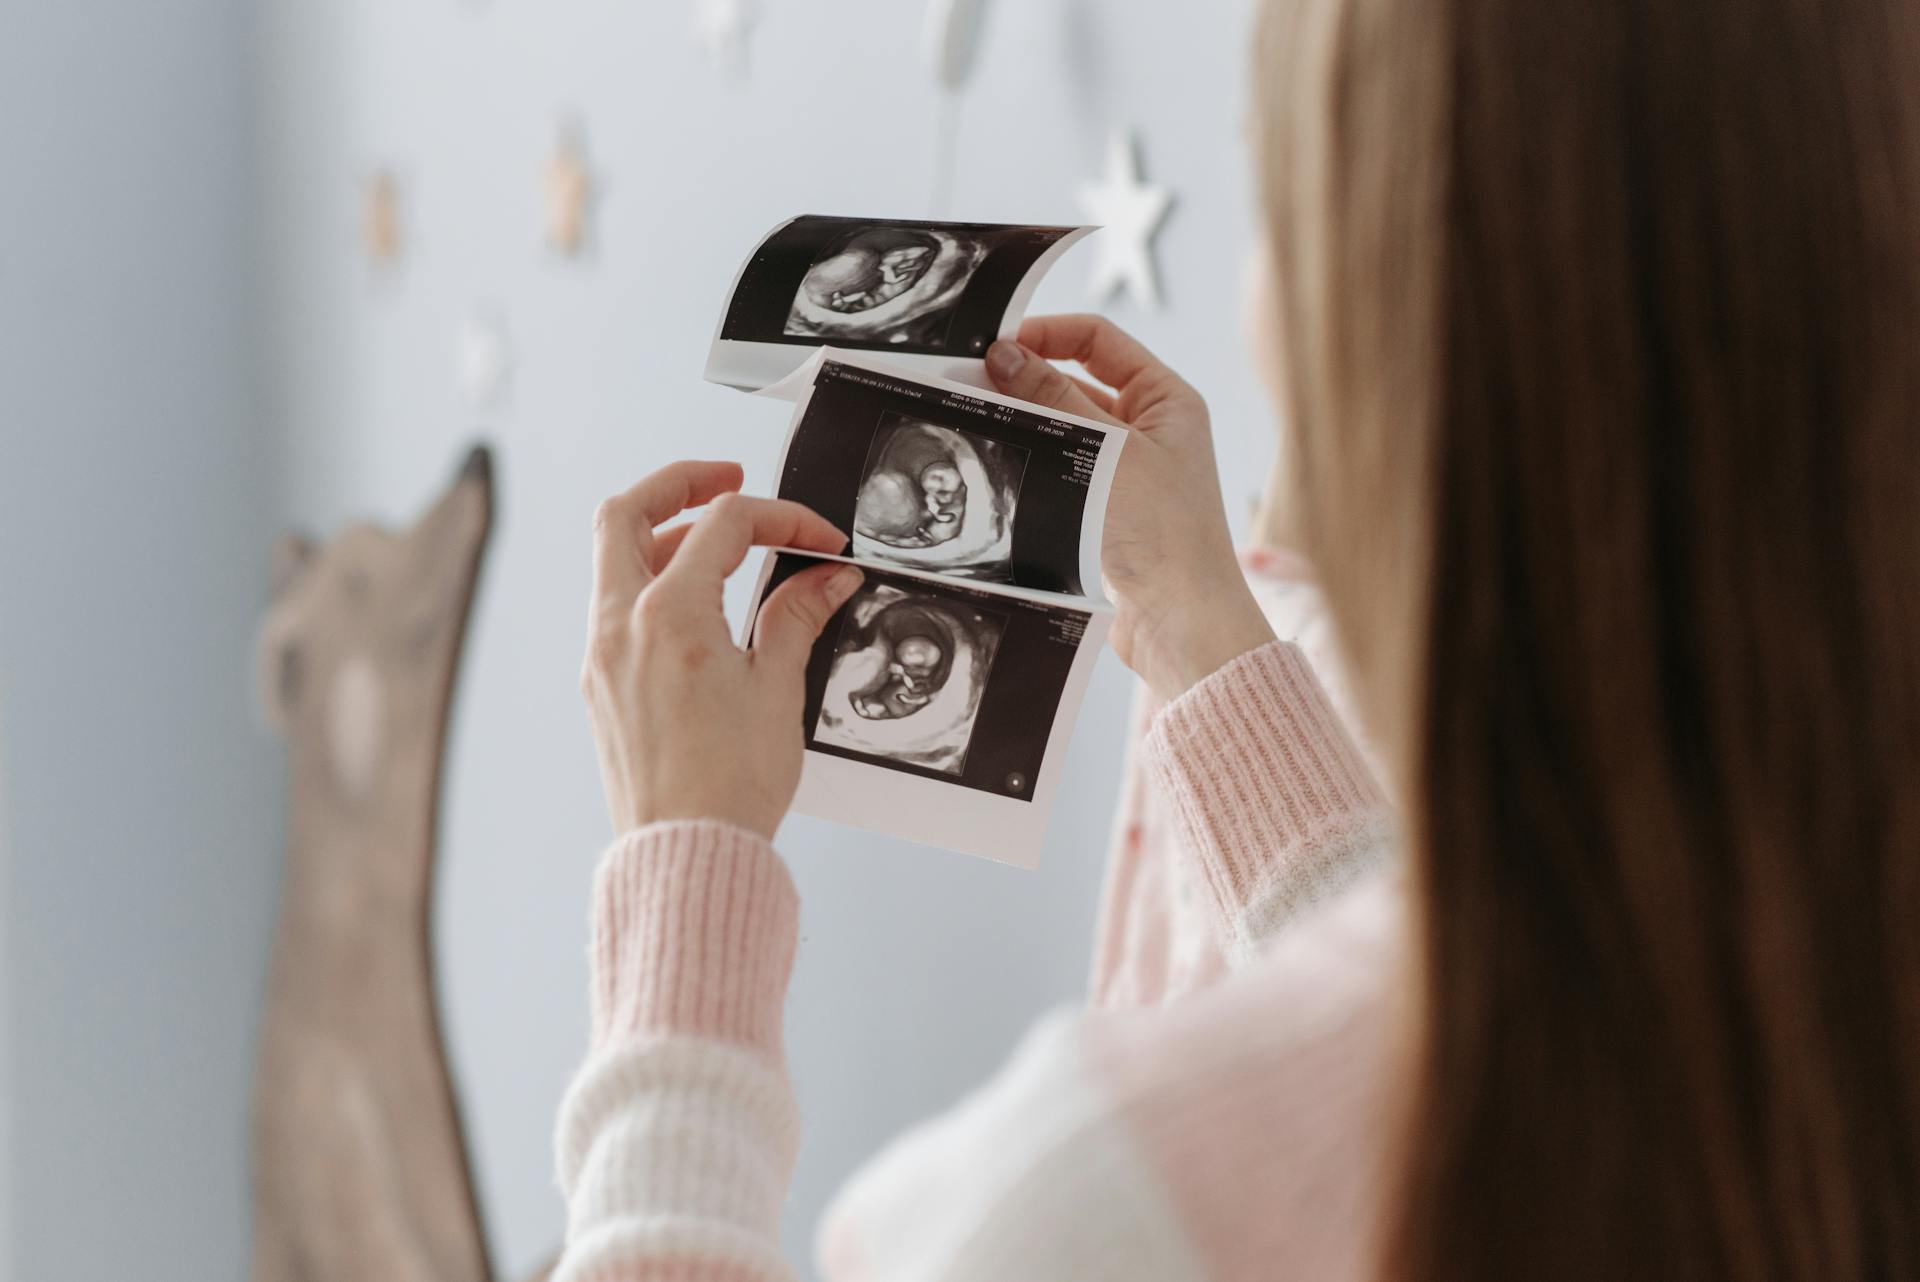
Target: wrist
<point>1202,634</point>
<point>727,816</point>
<point>741,808</point>
<point>1206,656</point>
<point>714,817</point>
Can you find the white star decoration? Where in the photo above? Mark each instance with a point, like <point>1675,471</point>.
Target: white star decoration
<point>721,26</point>
<point>483,361</point>
<point>1131,211</point>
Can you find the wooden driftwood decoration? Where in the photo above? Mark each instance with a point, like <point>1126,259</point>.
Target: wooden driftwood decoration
<point>360,1167</point>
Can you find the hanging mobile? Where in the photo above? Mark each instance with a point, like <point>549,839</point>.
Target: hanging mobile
<point>953,39</point>
<point>570,192</point>
<point>483,359</point>
<point>952,44</point>
<point>722,27</point>
<point>380,231</point>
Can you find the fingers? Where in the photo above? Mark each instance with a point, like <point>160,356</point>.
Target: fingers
<point>623,525</point>
<point>792,617</point>
<point>666,542</point>
<point>670,491</point>
<point>1114,357</point>
<point>1023,374</point>
<point>1100,396</point>
<point>716,544</point>
<point>1102,348</point>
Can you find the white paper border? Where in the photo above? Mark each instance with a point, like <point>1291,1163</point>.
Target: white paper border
<point>935,812</point>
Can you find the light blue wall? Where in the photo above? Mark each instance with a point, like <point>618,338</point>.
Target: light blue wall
<point>917,969</point>
<point>9,1106</point>
<point>193,354</point>
<point>135,503</point>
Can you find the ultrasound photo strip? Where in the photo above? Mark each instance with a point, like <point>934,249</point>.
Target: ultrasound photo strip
<point>939,711</point>
<point>935,476</point>
<point>931,295</point>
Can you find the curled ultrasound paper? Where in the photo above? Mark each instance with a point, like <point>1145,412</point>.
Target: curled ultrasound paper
<point>939,711</point>
<point>937,476</point>
<point>931,295</point>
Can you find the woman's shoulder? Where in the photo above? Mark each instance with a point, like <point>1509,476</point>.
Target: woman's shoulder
<point>1220,1136</point>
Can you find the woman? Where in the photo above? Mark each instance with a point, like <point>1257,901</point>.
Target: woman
<point>1599,328</point>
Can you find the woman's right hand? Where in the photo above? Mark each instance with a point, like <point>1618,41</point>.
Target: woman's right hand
<point>1183,608</point>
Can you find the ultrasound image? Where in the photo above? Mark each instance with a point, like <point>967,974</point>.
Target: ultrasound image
<point>886,284</point>
<point>938,499</point>
<point>907,677</point>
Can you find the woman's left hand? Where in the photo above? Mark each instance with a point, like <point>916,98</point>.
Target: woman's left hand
<point>689,725</point>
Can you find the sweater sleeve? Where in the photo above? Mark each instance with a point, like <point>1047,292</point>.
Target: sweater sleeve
<point>1274,808</point>
<point>1090,1157</point>
<point>677,1137</point>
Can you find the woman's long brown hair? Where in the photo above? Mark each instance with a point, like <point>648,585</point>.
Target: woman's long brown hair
<point>1602,326</point>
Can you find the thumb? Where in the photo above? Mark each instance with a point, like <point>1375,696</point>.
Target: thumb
<point>1021,374</point>
<point>791,620</point>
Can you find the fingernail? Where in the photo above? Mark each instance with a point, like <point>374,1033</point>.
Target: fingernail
<point>842,585</point>
<point>1004,359</point>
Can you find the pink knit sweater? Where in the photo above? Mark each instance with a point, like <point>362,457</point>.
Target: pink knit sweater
<point>1217,1114</point>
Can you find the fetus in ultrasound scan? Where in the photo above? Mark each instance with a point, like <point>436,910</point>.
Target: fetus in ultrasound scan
<point>917,646</point>
<point>908,673</point>
<point>886,285</point>
<point>865,275</point>
<point>941,499</point>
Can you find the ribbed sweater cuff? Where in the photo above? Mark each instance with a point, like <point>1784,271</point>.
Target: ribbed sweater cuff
<point>694,926</point>
<point>1273,805</point>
